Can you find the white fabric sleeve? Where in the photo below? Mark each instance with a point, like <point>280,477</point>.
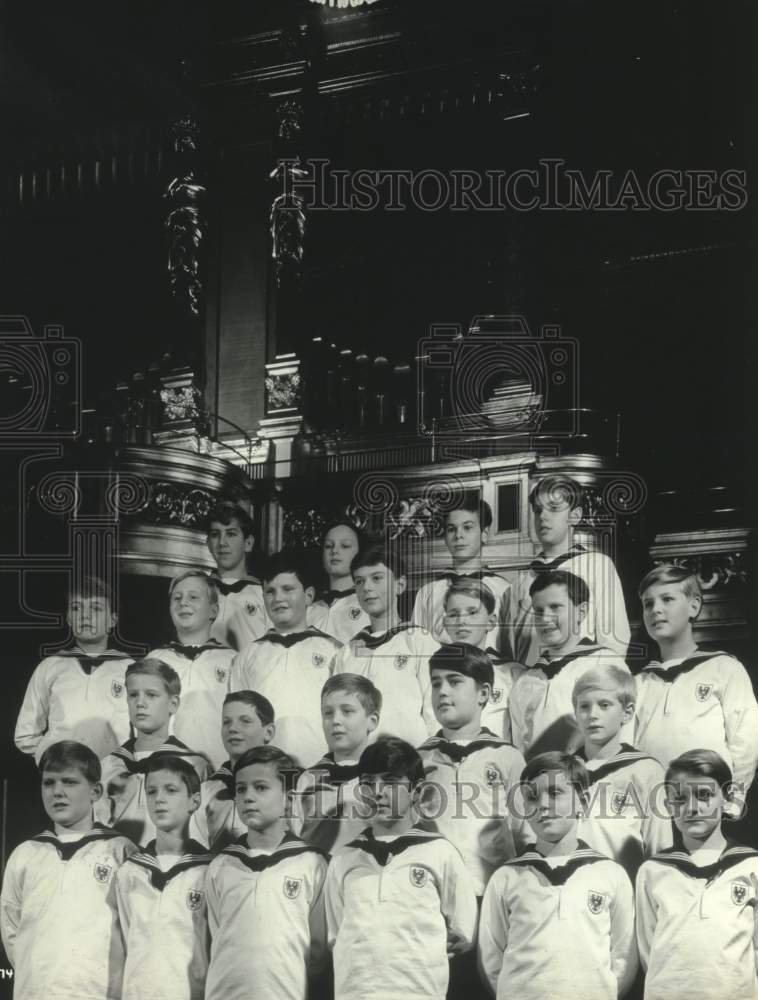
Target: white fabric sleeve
<point>647,913</point>
<point>458,904</point>
<point>333,900</point>
<point>740,724</point>
<point>32,722</point>
<point>11,903</point>
<point>317,922</point>
<point>624,960</point>
<point>493,931</point>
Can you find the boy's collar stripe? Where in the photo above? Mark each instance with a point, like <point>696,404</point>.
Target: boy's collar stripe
<point>172,747</point>
<point>290,847</point>
<point>293,638</point>
<point>382,850</point>
<point>732,855</point>
<point>684,667</point>
<point>583,648</point>
<point>626,755</point>
<point>457,752</point>
<point>67,848</point>
<point>191,652</point>
<point>539,565</point>
<point>338,773</point>
<point>331,596</point>
<point>559,875</point>
<point>194,857</point>
<point>451,573</point>
<point>365,638</point>
<point>223,773</point>
<point>234,586</point>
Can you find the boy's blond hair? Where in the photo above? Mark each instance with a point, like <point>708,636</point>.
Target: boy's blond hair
<point>607,678</point>
<point>668,573</point>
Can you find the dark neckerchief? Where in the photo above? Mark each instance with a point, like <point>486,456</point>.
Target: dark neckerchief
<point>539,565</point>
<point>289,847</point>
<point>338,773</point>
<point>194,856</point>
<point>225,775</point>
<point>382,850</point>
<point>88,663</point>
<point>456,752</point>
<point>477,574</point>
<point>583,855</point>
<point>292,638</point>
<point>329,597</point>
<point>626,755</point>
<point>236,586</point>
<point>365,638</point>
<point>67,849</point>
<point>684,667</point>
<point>732,855</point>
<point>171,748</point>
<point>191,652</point>
<point>553,667</point>
<point>495,658</point>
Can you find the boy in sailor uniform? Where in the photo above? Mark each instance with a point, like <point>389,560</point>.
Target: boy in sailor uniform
<point>202,663</point>
<point>327,807</point>
<point>475,774</point>
<point>696,904</point>
<point>398,900</point>
<point>392,654</point>
<point>470,613</point>
<point>466,532</point>
<point>557,505</point>
<point>692,698</point>
<point>265,898</point>
<point>153,691</point>
<point>247,721</point>
<point>241,615</point>
<point>161,893</point>
<point>291,662</point>
<point>542,712</point>
<point>79,694</point>
<point>558,921</point>
<point>625,815</point>
<point>338,611</point>
<point>58,913</point>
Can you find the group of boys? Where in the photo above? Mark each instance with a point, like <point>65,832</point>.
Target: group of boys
<point>478,777</point>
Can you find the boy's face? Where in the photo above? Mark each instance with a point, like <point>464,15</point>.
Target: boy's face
<point>228,545</point>
<point>457,699</point>
<point>90,618</point>
<point>286,600</point>
<point>260,796</point>
<point>242,729</point>
<point>191,607</point>
<point>389,797</point>
<point>467,620</point>
<point>68,797</point>
<point>666,610</point>
<point>340,547</point>
<point>601,715</point>
<point>346,723</point>
<point>696,804</point>
<point>150,704</point>
<point>169,802</point>
<point>553,517</point>
<point>377,589</point>
<point>556,617</point>
<point>552,806</point>
<point>464,536</point>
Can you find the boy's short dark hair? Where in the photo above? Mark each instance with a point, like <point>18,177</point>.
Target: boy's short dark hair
<point>199,574</point>
<point>289,561</point>
<point>377,554</point>
<point>69,753</point>
<point>576,587</point>
<point>668,573</point>
<point>364,690</point>
<point>153,667</point>
<point>227,511</point>
<point>464,659</point>
<point>465,586</point>
<point>555,760</point>
<point>175,765</point>
<point>558,489</point>
<point>471,501</point>
<point>90,587</point>
<point>344,522</point>
<point>263,707</point>
<point>390,755</point>
<point>287,769</point>
<point>702,764</point>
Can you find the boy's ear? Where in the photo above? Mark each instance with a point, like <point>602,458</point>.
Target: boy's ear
<point>96,791</point>
<point>628,713</point>
<point>310,595</point>
<point>373,721</point>
<point>581,611</point>
<point>696,606</point>
<point>492,620</point>
<point>173,704</point>
<point>214,610</point>
<point>249,543</point>
<point>113,622</point>
<point>575,516</point>
<point>485,535</point>
<point>486,690</point>
<point>269,732</point>
<point>194,802</point>
<point>401,582</point>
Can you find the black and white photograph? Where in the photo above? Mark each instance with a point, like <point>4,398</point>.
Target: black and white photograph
<point>377,479</point>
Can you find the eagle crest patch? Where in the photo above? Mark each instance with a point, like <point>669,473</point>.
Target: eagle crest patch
<point>355,614</point>
<point>703,691</point>
<point>595,901</point>
<point>496,696</point>
<point>491,774</point>
<point>400,661</point>
<point>318,659</point>
<point>250,608</point>
<point>194,899</point>
<point>618,802</point>
<point>102,871</point>
<point>418,876</point>
<point>220,675</point>
<point>739,892</point>
<point>292,887</point>
<point>117,688</point>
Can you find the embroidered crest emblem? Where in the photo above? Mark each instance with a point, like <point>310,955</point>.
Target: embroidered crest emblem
<point>497,696</point>
<point>355,614</point>
<point>220,675</point>
<point>194,899</point>
<point>595,901</point>
<point>400,661</point>
<point>703,691</point>
<point>318,659</point>
<point>292,887</point>
<point>102,871</point>
<point>739,893</point>
<point>491,774</point>
<point>618,802</point>
<point>418,876</point>
<point>117,688</point>
<point>250,608</point>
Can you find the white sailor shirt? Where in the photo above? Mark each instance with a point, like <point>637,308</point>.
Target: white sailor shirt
<point>339,614</point>
<point>242,616</point>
